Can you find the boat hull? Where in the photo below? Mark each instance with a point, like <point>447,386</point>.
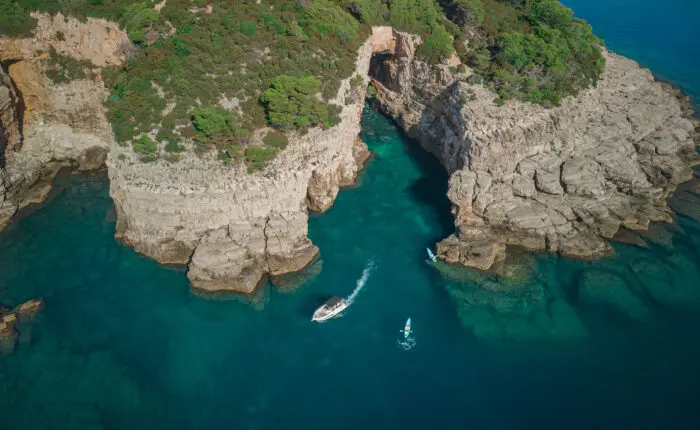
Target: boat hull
<point>322,314</point>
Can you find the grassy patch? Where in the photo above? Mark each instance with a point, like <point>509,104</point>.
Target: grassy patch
<point>276,140</point>
<point>291,103</point>
<point>144,145</point>
<point>258,157</point>
<point>62,69</point>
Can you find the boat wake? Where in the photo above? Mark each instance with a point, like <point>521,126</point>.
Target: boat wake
<point>362,281</point>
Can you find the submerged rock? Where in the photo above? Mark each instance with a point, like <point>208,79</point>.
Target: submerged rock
<point>602,288</point>
<point>8,333</point>
<point>496,308</point>
<point>655,276</point>
<point>16,322</point>
<point>28,310</point>
<point>291,281</point>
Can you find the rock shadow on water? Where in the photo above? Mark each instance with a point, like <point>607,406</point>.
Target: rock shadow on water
<point>430,189</point>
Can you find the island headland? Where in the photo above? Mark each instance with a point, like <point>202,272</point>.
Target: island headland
<point>223,179</point>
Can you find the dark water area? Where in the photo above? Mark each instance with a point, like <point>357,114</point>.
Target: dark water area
<point>123,343</point>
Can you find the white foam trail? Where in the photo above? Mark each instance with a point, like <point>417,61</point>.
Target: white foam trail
<point>361,282</point>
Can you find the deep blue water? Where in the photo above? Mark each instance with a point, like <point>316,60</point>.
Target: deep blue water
<point>663,36</point>
<point>123,343</point>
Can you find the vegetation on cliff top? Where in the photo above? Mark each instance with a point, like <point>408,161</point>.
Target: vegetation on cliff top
<point>532,50</point>
<point>62,68</point>
<point>197,57</point>
<point>213,71</point>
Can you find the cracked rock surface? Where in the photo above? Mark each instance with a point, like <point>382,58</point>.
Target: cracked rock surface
<point>562,180</point>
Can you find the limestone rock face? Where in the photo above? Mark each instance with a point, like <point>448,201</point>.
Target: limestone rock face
<point>9,115</point>
<point>563,179</point>
<point>99,41</point>
<point>231,227</point>
<point>57,124</point>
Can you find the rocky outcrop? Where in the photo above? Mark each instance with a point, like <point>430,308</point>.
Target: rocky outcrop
<point>13,323</point>
<point>563,179</point>
<point>231,227</point>
<point>57,124</point>
<point>9,116</point>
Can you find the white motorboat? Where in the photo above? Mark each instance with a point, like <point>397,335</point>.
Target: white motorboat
<point>332,308</point>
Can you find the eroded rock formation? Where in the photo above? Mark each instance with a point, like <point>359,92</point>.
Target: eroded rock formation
<point>234,228</point>
<point>563,179</point>
<point>57,124</point>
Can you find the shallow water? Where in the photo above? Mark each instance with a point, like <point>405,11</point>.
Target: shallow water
<point>123,343</point>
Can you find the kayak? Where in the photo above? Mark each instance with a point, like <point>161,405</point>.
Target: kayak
<point>431,255</point>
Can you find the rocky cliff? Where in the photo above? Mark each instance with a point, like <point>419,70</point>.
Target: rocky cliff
<point>49,125</point>
<point>233,228</point>
<point>562,180</point>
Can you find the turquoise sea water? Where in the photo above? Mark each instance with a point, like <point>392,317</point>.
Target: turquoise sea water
<point>123,343</point>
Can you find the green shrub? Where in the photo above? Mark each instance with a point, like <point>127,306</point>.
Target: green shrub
<point>62,69</point>
<point>467,12</point>
<point>276,140</point>
<point>357,80</point>
<point>417,16</point>
<point>371,92</point>
<point>326,18</point>
<point>248,28</point>
<point>137,18</point>
<point>291,103</point>
<point>212,121</point>
<point>532,50</point>
<point>257,157</point>
<point>15,20</point>
<point>145,145</point>
<point>173,147</point>
<point>437,46</point>
<point>172,158</point>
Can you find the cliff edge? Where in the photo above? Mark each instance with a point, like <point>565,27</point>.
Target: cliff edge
<point>231,227</point>
<point>46,125</point>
